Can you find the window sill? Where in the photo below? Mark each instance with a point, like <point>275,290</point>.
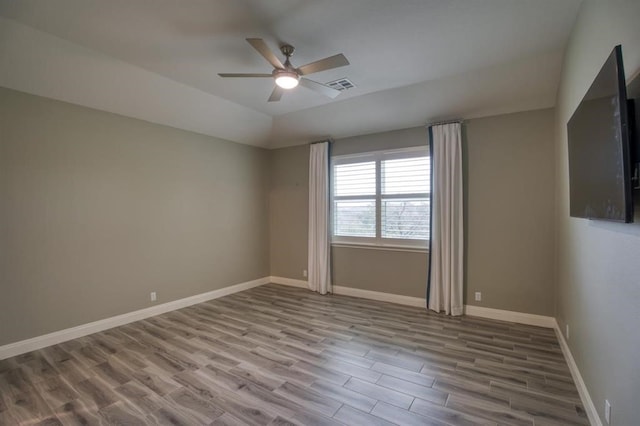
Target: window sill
<point>411,249</point>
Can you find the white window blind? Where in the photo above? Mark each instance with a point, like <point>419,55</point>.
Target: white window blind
<point>405,202</point>
<point>355,179</point>
<point>354,199</point>
<point>382,198</point>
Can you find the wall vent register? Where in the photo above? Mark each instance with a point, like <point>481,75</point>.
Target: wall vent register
<point>341,84</point>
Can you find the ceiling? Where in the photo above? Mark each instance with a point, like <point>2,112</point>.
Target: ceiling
<point>412,61</point>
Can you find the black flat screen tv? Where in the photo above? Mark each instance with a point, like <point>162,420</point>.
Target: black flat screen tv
<point>599,148</point>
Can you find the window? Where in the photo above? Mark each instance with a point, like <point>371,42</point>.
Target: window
<point>382,198</point>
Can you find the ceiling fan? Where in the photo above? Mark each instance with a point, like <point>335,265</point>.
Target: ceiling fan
<point>287,76</point>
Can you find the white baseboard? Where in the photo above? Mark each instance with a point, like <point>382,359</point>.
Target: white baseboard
<point>383,297</point>
<point>356,292</point>
<point>290,282</point>
<point>476,311</point>
<point>512,316</point>
<point>589,407</point>
<point>39,342</point>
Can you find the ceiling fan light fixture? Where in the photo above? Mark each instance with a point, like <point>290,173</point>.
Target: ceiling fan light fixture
<point>286,76</point>
<point>286,79</point>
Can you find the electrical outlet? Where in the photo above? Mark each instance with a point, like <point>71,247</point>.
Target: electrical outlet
<point>478,296</point>
<point>304,273</point>
<point>607,411</point>
<point>154,296</point>
<point>567,331</point>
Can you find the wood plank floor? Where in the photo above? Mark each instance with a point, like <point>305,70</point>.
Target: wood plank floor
<point>280,355</point>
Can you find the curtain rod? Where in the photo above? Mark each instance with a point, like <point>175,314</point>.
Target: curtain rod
<point>323,141</point>
<point>438,123</point>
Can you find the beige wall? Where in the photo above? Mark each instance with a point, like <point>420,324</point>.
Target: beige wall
<point>509,211</point>
<point>598,268</point>
<point>509,216</point>
<point>386,271</point>
<point>98,210</point>
<point>289,211</point>
<point>352,267</point>
<point>404,138</point>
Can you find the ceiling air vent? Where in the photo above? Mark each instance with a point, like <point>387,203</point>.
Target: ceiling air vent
<point>341,84</point>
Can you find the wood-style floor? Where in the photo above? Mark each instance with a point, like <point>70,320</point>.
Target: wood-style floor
<point>280,355</point>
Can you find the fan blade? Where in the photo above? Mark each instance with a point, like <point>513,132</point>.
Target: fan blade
<point>244,75</point>
<point>331,62</point>
<point>319,87</point>
<point>276,94</point>
<point>264,50</point>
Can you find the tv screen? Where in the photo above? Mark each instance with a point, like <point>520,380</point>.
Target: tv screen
<point>599,163</point>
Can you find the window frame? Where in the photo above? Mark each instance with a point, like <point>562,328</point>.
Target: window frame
<point>378,157</point>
